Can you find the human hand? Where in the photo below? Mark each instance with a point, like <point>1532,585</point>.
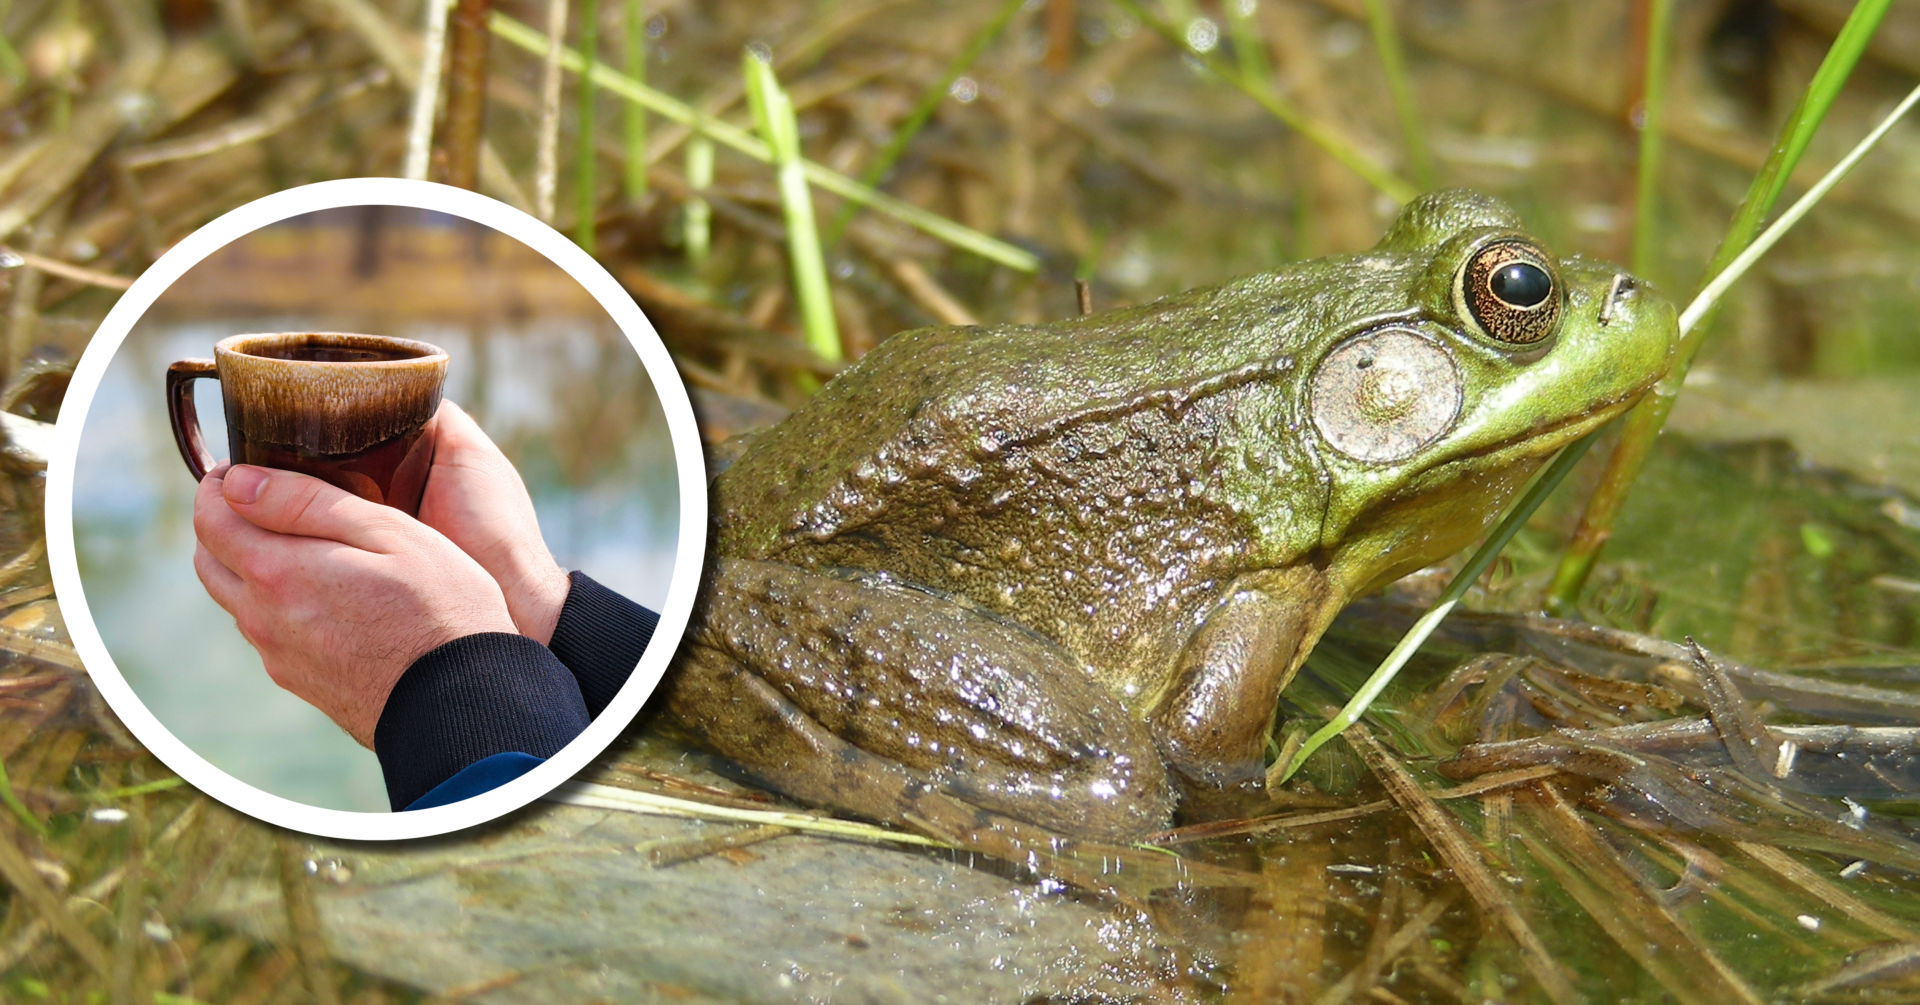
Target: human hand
<point>338,594</point>
<point>476,498</point>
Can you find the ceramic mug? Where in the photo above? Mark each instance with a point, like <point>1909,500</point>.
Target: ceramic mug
<point>353,410</point>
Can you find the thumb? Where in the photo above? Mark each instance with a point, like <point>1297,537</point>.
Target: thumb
<point>287,502</point>
<point>459,439</point>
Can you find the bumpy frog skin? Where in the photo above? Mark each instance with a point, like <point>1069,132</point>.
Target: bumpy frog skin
<point>1061,573</point>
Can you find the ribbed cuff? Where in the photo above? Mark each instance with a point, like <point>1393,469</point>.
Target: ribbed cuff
<point>600,636</point>
<point>469,699</point>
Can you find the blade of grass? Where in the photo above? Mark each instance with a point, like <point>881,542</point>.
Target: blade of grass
<point>634,62</point>
<point>17,871</point>
<point>922,111</point>
<point>546,159</point>
<point>586,203</point>
<point>466,92</point>
<point>12,67</point>
<point>462,151</point>
<point>773,114</point>
<point>735,138</point>
<point>1653,112</point>
<point>698,221</point>
<point>1690,318</point>
<point>19,808</point>
<point>1319,134</point>
<point>427,93</point>
<point>1709,297</point>
<point>609,797</point>
<point>142,789</point>
<point>1549,479</point>
<point>1644,423</point>
<point>1393,61</point>
<point>1454,846</point>
<point>1249,52</point>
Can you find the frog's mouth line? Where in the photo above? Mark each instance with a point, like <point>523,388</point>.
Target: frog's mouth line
<point>1531,441</point>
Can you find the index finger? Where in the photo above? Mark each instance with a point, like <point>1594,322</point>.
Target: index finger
<point>288,502</point>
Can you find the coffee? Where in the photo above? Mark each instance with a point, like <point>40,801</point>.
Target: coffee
<point>331,354</point>
<point>353,410</point>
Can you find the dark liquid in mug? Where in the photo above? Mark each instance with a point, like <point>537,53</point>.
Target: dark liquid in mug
<point>393,472</point>
<point>332,353</point>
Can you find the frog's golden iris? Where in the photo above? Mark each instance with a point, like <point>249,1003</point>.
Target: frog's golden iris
<point>1060,574</point>
<point>1512,292</point>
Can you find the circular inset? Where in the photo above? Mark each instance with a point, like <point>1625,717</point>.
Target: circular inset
<point>537,378</point>
<point>1384,394</point>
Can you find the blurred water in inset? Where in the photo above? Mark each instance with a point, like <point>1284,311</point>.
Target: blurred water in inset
<point>558,388</point>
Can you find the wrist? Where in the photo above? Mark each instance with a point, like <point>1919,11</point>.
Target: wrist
<point>487,617</point>
<point>537,598</point>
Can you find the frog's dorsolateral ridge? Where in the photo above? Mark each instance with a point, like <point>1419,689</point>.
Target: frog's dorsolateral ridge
<point>1061,573</point>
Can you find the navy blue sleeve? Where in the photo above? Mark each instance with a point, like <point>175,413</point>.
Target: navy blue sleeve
<point>472,698</point>
<point>483,775</point>
<point>600,637</point>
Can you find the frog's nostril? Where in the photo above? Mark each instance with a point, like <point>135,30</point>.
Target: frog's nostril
<point>1624,287</point>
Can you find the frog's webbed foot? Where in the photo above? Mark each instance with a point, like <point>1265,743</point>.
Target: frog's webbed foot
<point>900,705</point>
<point>797,757</point>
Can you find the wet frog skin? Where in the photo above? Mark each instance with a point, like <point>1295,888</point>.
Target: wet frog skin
<point>1061,573</point>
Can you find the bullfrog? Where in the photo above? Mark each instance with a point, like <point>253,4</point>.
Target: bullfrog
<point>1058,575</point>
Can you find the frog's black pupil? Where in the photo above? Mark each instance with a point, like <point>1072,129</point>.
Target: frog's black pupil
<point>1521,284</point>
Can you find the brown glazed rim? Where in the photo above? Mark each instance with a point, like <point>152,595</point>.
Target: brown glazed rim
<point>428,352</point>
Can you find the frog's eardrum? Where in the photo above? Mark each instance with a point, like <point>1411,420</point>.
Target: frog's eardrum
<point>1385,394</point>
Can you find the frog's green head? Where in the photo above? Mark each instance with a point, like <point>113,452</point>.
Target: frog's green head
<point>1430,421</point>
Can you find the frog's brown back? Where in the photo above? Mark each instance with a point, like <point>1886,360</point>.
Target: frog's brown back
<point>1098,480</point>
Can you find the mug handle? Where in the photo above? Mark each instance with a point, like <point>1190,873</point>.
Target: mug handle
<point>186,422</point>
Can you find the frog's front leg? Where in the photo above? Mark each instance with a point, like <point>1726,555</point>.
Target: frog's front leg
<point>872,696</point>
<point>1213,720</point>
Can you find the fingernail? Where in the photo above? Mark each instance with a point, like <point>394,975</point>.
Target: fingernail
<point>243,484</point>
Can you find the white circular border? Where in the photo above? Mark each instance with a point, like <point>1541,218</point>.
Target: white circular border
<point>527,230</point>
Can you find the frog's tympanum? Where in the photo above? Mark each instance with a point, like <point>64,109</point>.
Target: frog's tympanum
<point>1061,573</point>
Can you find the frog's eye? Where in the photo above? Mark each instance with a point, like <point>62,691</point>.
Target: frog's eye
<point>1513,292</point>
